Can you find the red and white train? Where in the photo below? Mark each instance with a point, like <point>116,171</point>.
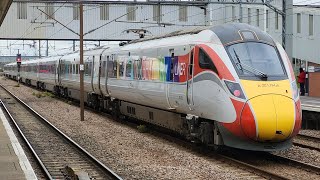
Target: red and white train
<point>229,85</point>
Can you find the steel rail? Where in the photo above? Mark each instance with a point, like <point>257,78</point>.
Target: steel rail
<point>306,146</point>
<point>44,169</point>
<point>303,165</point>
<point>309,137</point>
<point>81,149</point>
<point>256,170</point>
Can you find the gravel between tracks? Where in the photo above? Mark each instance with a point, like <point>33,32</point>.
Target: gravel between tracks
<point>314,133</point>
<point>131,154</point>
<point>301,154</point>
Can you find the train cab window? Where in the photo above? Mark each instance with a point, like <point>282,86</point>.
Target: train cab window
<point>256,59</point>
<point>205,61</point>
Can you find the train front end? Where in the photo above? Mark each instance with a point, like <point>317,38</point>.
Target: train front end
<point>264,91</point>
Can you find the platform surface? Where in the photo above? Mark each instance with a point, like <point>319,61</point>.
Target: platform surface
<point>310,103</point>
<point>14,164</point>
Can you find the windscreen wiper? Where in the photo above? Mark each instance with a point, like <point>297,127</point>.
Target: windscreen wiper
<point>250,69</point>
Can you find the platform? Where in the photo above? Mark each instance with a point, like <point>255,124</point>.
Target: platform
<point>310,103</point>
<point>13,161</point>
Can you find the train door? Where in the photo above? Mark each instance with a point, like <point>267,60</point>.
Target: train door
<point>58,73</point>
<point>170,78</point>
<point>109,65</point>
<point>38,71</point>
<point>190,79</point>
<point>95,76</point>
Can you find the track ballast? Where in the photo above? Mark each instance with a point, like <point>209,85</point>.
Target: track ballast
<point>53,150</point>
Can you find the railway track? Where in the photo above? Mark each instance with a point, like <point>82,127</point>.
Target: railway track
<point>260,164</point>
<point>57,155</point>
<point>282,167</point>
<point>254,169</point>
<point>306,141</point>
<point>244,170</point>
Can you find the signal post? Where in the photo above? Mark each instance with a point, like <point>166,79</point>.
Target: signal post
<point>18,59</point>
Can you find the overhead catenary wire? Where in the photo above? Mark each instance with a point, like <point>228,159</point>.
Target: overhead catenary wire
<point>91,30</point>
<point>250,15</point>
<point>26,34</point>
<point>112,35</point>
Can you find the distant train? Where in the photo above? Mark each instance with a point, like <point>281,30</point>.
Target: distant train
<point>229,85</point>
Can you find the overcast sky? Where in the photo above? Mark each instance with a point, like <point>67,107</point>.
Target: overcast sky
<point>306,2</point>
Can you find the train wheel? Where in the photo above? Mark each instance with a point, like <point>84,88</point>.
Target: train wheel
<point>206,133</point>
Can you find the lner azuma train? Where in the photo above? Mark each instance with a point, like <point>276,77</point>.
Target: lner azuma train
<point>229,85</point>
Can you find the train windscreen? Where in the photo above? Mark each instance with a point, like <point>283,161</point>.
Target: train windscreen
<point>256,59</point>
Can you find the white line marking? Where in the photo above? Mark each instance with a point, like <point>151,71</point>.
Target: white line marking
<point>23,160</point>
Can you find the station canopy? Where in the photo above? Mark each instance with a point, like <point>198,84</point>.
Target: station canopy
<point>4,7</point>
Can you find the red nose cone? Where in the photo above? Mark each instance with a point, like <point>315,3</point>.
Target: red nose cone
<point>248,123</point>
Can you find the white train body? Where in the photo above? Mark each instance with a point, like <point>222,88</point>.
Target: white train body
<point>189,81</point>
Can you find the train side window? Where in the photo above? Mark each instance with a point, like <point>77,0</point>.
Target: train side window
<point>103,69</point>
<point>137,68</point>
<point>89,68</point>
<point>115,65</point>
<point>85,69</point>
<point>77,68</point>
<point>205,61</point>
<point>121,69</point>
<point>129,68</point>
<point>70,68</point>
<point>67,68</point>
<point>110,67</point>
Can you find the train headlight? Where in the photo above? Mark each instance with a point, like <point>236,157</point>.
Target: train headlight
<point>235,89</point>
<point>295,91</point>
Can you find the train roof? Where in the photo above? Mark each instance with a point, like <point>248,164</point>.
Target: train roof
<point>238,32</point>
<point>175,33</point>
<point>227,33</point>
